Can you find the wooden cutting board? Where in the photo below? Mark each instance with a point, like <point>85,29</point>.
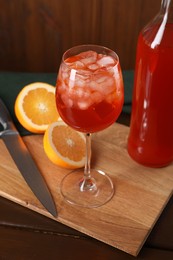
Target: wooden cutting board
<point>126,221</point>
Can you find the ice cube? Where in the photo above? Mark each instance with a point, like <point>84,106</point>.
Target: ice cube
<point>80,82</point>
<point>75,65</point>
<point>93,85</point>
<point>87,94</point>
<point>102,79</point>
<point>84,72</point>
<point>65,75</point>
<point>93,66</point>
<point>79,93</point>
<point>82,94</point>
<point>87,54</point>
<point>107,86</point>
<point>67,101</point>
<point>79,65</point>
<point>97,97</point>
<point>106,61</point>
<point>88,57</point>
<point>88,60</point>
<point>61,87</point>
<point>83,105</point>
<point>111,97</point>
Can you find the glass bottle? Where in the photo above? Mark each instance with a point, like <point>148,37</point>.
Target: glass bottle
<point>150,139</point>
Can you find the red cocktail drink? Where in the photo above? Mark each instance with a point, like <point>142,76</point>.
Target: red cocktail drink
<point>90,91</point>
<point>89,98</point>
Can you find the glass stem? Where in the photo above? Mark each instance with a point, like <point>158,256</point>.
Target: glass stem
<point>88,157</point>
<point>88,183</point>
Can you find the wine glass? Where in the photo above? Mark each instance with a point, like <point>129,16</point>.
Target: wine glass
<point>89,98</point>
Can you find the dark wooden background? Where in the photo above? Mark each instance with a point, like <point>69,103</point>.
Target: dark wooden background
<point>35,33</point>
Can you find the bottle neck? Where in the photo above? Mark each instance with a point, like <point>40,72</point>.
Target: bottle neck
<point>167,10</point>
<point>164,17</point>
<point>165,3</point>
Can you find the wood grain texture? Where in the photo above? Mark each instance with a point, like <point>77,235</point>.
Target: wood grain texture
<point>126,221</point>
<point>35,33</point>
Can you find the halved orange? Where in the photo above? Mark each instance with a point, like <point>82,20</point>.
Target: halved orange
<point>64,146</point>
<point>35,107</point>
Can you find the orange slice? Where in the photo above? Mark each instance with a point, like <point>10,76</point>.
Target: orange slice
<point>64,146</point>
<point>35,107</point>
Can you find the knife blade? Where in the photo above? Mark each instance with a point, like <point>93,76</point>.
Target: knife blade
<point>24,161</point>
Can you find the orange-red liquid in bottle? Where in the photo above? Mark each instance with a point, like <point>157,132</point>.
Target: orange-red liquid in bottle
<point>150,140</point>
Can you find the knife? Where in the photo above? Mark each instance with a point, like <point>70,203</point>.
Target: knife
<point>24,161</point>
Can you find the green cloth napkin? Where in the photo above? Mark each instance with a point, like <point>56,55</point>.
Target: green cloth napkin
<point>128,77</point>
<point>12,82</point>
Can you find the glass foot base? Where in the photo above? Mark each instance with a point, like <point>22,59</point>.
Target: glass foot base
<point>90,193</point>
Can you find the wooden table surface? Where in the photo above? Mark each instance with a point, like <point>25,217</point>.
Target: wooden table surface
<point>25,234</point>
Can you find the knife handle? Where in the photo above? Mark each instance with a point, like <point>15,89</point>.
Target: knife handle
<point>5,118</point>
